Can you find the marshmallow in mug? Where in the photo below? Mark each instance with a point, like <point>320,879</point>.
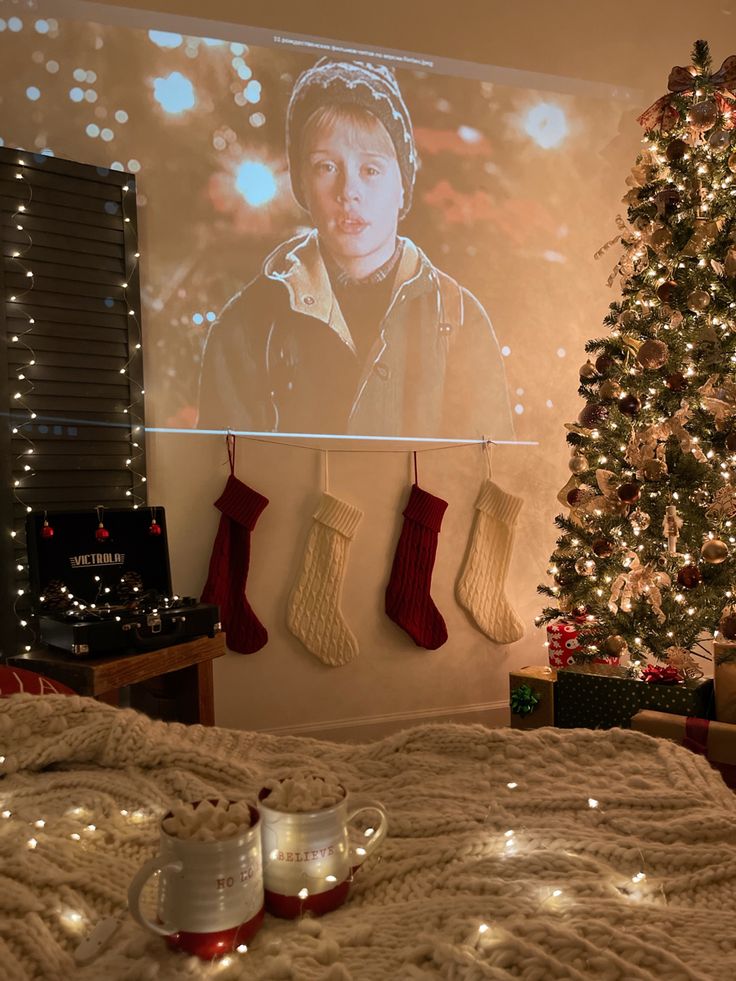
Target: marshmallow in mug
<point>209,821</point>
<point>297,795</point>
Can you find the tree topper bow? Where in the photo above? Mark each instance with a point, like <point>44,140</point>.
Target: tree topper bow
<point>681,81</point>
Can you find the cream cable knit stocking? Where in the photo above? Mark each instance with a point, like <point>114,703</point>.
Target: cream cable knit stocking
<point>314,605</point>
<point>481,586</point>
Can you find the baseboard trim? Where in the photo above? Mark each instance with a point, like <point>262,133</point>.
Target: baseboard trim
<point>368,727</point>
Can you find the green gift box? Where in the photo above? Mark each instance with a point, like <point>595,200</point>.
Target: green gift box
<point>602,701</point>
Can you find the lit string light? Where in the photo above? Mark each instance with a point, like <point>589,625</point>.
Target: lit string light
<point>23,471</point>
<point>136,456</point>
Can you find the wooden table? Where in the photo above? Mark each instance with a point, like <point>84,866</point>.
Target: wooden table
<point>172,682</point>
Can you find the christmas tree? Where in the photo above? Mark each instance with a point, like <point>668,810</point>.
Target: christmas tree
<point>646,559</point>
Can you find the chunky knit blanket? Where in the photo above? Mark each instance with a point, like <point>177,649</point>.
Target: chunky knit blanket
<point>535,855</point>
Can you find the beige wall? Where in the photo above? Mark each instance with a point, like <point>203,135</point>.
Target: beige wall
<point>393,683</point>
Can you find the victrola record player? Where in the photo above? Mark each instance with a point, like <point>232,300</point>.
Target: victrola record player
<point>101,583</point>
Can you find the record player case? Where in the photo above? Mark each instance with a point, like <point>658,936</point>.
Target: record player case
<point>109,594</point>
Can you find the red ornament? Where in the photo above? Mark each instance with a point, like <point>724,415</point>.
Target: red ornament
<point>628,492</point>
<point>102,534</point>
<point>154,528</point>
<point>689,576</point>
<point>47,531</point>
<point>629,404</point>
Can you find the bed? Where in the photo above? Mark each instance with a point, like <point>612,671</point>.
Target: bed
<point>538,855</point>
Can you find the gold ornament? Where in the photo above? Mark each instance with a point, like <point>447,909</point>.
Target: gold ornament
<point>719,139</point>
<point>588,372</point>
<point>714,551</point>
<point>585,567</point>
<point>731,163</point>
<point>609,390</point>
<point>640,520</point>
<point>661,239</point>
<point>578,463</point>
<point>698,300</point>
<point>614,645</point>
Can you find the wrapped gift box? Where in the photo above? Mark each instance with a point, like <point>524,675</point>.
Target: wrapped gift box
<point>724,660</point>
<point>721,736</point>
<point>562,642</point>
<point>717,740</point>
<point>602,701</point>
<point>532,697</point>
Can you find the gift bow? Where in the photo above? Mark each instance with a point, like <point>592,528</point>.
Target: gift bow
<point>523,700</point>
<point>661,674</point>
<point>682,80</point>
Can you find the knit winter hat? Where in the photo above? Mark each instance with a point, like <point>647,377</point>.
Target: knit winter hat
<point>354,83</point>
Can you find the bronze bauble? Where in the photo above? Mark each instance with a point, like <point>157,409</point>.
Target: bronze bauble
<point>731,163</point>
<point>592,414</point>
<point>714,551</point>
<point>578,463</point>
<point>653,354</point>
<point>676,381</point>
<point>603,548</point>
<point>703,115</point>
<point>604,363</point>
<point>689,576</point>
<point>727,626</point>
<point>676,150</point>
<point>731,441</point>
<point>629,492</point>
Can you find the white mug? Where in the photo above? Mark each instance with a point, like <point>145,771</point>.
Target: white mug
<point>308,858</point>
<point>210,893</point>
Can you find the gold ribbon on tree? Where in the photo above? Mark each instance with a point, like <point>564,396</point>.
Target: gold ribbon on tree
<point>649,443</point>
<point>639,581</point>
<point>719,398</point>
<point>682,82</point>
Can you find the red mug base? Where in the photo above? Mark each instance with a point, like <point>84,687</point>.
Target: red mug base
<point>289,907</point>
<point>217,942</point>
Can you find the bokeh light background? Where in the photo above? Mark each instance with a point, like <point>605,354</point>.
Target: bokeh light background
<point>512,198</point>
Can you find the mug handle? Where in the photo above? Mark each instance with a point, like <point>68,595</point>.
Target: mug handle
<point>135,889</point>
<point>356,805</point>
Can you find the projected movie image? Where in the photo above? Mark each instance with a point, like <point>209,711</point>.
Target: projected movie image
<point>350,327</point>
<point>333,242</point>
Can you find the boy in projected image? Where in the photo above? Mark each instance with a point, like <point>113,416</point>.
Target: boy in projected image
<point>350,328</point>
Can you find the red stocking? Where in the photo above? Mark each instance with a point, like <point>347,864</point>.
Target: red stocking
<point>408,602</point>
<point>241,506</point>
